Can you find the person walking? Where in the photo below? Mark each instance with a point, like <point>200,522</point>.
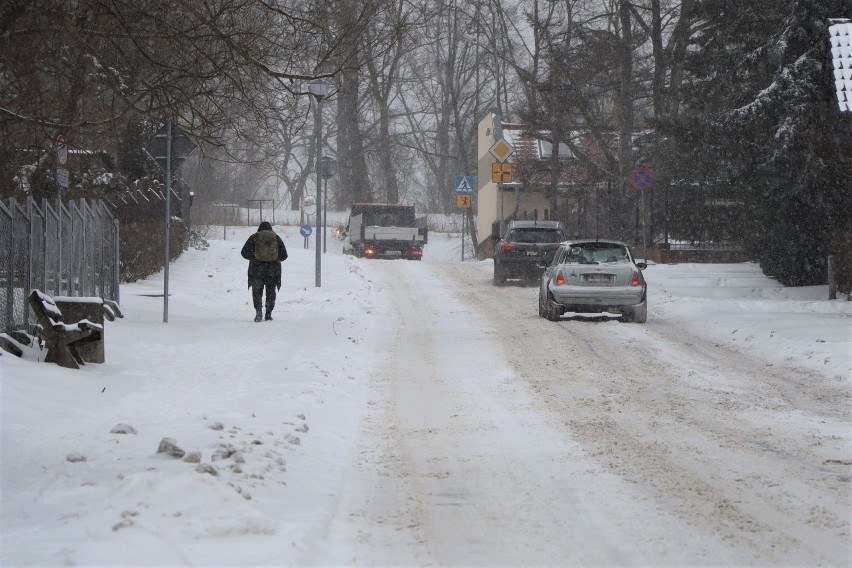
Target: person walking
<point>265,251</point>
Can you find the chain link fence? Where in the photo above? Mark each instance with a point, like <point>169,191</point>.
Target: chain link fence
<point>62,249</point>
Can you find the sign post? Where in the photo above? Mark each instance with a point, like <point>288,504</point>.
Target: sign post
<point>464,195</point>
<point>642,179</point>
<point>306,230</point>
<point>169,147</point>
<point>502,150</point>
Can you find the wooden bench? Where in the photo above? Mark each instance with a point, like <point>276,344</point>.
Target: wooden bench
<point>93,309</point>
<point>64,340</point>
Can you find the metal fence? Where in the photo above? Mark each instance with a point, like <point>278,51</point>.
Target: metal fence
<point>62,249</point>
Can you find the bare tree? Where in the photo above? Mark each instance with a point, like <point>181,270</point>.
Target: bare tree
<point>393,37</point>
<point>223,69</point>
<point>611,68</point>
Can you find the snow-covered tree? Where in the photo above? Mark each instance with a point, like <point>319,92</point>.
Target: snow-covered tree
<point>756,135</point>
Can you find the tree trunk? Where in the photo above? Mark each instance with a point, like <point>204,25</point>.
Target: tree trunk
<point>624,104</point>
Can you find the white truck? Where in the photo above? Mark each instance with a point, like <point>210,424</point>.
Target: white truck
<point>382,230</point>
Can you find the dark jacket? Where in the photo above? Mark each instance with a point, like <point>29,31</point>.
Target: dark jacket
<point>263,273</point>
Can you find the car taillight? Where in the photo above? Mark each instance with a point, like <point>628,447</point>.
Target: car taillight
<point>560,279</point>
<point>416,250</point>
<point>635,280</point>
<point>369,251</point>
<point>508,247</point>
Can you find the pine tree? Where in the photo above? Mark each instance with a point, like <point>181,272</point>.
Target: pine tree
<point>762,99</point>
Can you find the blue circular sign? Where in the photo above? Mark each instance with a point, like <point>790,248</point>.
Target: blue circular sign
<point>305,230</point>
<point>642,178</point>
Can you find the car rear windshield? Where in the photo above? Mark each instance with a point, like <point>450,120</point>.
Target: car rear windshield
<point>535,235</point>
<point>593,253</point>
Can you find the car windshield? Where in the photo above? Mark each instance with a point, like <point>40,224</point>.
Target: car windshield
<point>534,235</point>
<point>595,253</point>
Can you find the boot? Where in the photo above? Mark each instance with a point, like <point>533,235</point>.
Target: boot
<point>268,314</point>
<point>257,315</point>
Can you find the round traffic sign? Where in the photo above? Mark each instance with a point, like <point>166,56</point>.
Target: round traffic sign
<point>305,230</point>
<point>642,178</point>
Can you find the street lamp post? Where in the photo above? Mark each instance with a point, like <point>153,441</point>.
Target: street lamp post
<point>319,89</point>
<point>329,167</point>
<point>189,213</point>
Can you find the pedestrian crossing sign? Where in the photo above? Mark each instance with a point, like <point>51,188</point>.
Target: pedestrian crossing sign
<point>465,184</point>
<point>463,201</point>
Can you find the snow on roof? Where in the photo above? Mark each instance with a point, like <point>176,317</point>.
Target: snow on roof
<point>512,132</point>
<point>538,142</point>
<point>841,53</point>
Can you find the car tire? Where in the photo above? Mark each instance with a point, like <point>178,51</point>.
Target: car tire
<point>552,310</point>
<point>640,312</point>
<point>636,314</point>
<point>540,302</point>
<point>499,276</point>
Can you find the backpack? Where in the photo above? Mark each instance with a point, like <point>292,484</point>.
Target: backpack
<point>266,246</point>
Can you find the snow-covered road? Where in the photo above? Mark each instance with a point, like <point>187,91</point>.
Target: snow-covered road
<point>518,441</point>
<point>412,414</point>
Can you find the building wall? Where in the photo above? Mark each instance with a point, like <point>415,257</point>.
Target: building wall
<point>486,191</point>
<point>489,206</point>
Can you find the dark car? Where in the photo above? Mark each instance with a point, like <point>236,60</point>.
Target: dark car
<point>525,249</point>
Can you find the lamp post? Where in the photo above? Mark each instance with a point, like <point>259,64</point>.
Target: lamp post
<point>189,213</point>
<point>329,167</point>
<point>319,89</point>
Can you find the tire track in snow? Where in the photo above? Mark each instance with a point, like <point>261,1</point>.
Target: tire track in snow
<point>676,414</point>
<point>465,460</point>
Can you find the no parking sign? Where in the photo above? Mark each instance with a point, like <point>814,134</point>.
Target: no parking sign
<point>642,178</point>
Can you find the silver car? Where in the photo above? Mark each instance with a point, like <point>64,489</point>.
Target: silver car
<point>594,276</point>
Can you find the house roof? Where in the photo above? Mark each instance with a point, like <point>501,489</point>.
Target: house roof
<point>531,145</point>
<point>532,157</point>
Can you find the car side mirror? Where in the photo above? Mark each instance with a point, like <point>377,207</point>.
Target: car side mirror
<point>641,265</point>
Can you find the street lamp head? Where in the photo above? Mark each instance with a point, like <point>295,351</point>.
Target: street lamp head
<point>328,167</point>
<point>318,88</point>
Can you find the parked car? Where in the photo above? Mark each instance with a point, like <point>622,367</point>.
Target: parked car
<point>525,248</point>
<point>594,276</point>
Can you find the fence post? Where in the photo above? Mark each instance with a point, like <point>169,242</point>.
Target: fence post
<point>44,263</point>
<point>117,259</point>
<point>30,239</point>
<point>10,284</point>
<point>832,279</point>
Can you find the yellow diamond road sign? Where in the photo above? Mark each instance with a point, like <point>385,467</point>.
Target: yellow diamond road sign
<point>501,150</point>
